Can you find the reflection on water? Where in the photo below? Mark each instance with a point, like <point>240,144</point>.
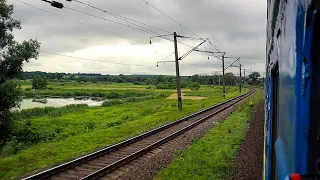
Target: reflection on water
<point>57,102</point>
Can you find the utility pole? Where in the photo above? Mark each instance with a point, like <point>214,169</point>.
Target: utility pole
<point>244,75</point>
<point>223,80</point>
<point>240,88</point>
<point>212,78</point>
<point>177,71</point>
<point>177,59</point>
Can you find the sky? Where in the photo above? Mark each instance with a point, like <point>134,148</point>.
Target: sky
<point>237,27</point>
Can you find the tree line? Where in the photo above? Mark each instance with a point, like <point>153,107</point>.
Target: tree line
<point>204,79</point>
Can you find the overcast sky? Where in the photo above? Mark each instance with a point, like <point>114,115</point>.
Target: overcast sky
<point>237,27</point>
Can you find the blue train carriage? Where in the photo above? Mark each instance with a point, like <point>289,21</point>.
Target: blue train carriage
<point>292,119</point>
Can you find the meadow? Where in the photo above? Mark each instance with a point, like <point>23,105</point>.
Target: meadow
<point>44,137</point>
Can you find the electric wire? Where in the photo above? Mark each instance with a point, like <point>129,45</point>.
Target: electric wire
<point>119,23</point>
<point>78,22</point>
<point>172,19</point>
<point>122,18</point>
<point>100,61</point>
<point>148,4</point>
<point>119,16</point>
<point>166,57</point>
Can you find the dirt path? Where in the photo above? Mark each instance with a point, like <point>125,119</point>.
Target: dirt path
<point>249,160</point>
<point>174,96</point>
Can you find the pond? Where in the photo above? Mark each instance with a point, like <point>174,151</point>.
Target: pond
<point>56,102</point>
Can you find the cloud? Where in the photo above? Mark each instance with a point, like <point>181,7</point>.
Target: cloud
<point>237,27</point>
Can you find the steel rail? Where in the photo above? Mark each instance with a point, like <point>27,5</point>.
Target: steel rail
<point>56,170</point>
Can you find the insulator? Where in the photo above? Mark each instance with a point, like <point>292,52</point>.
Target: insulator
<point>57,4</point>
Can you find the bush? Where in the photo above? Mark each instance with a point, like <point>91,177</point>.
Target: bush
<point>39,82</point>
<point>165,86</point>
<point>194,85</point>
<point>111,102</point>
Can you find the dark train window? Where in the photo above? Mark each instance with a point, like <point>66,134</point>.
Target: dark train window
<point>275,117</point>
<point>314,123</point>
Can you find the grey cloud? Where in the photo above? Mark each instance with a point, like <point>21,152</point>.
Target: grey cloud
<point>237,27</point>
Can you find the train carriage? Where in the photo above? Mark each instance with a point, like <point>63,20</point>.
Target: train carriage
<point>292,120</point>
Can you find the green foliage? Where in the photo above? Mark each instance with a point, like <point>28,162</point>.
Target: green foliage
<point>111,102</point>
<point>212,156</point>
<point>254,78</point>
<point>9,98</point>
<point>163,85</point>
<point>12,56</point>
<point>57,137</point>
<point>108,94</point>
<point>194,86</point>
<point>39,82</point>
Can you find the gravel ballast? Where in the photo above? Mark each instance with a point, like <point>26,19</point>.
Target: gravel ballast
<point>249,160</point>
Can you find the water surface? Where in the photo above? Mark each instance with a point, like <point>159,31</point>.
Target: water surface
<point>57,102</point>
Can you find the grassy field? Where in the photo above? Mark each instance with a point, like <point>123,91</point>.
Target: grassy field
<point>47,136</point>
<point>212,156</point>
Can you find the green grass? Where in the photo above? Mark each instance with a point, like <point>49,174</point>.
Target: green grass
<point>47,137</point>
<point>207,91</point>
<point>212,156</point>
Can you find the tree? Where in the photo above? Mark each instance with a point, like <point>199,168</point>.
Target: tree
<point>195,78</point>
<point>254,77</point>
<point>39,82</point>
<point>12,56</point>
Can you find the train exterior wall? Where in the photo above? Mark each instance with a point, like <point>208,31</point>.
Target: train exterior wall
<point>289,45</point>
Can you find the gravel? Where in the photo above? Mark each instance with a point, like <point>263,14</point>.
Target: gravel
<point>147,166</point>
<point>249,160</point>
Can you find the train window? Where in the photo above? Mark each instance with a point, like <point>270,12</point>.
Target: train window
<point>275,117</point>
<point>314,124</point>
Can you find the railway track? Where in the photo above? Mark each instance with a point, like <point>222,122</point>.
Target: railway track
<point>104,161</point>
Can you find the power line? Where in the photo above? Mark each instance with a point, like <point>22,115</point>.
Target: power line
<point>69,19</point>
<point>119,16</point>
<point>143,29</point>
<point>172,19</point>
<point>166,57</point>
<point>100,61</point>
<point>148,13</point>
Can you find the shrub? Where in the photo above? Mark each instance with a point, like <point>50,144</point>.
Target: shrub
<point>194,85</point>
<point>165,86</point>
<point>39,82</point>
<point>111,102</point>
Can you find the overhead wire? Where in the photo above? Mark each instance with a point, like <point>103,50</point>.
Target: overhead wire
<point>100,61</point>
<point>119,16</point>
<point>166,57</point>
<point>119,23</point>
<point>172,19</point>
<point>124,19</point>
<point>126,25</point>
<point>78,22</point>
<point>127,20</point>
<point>148,13</point>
